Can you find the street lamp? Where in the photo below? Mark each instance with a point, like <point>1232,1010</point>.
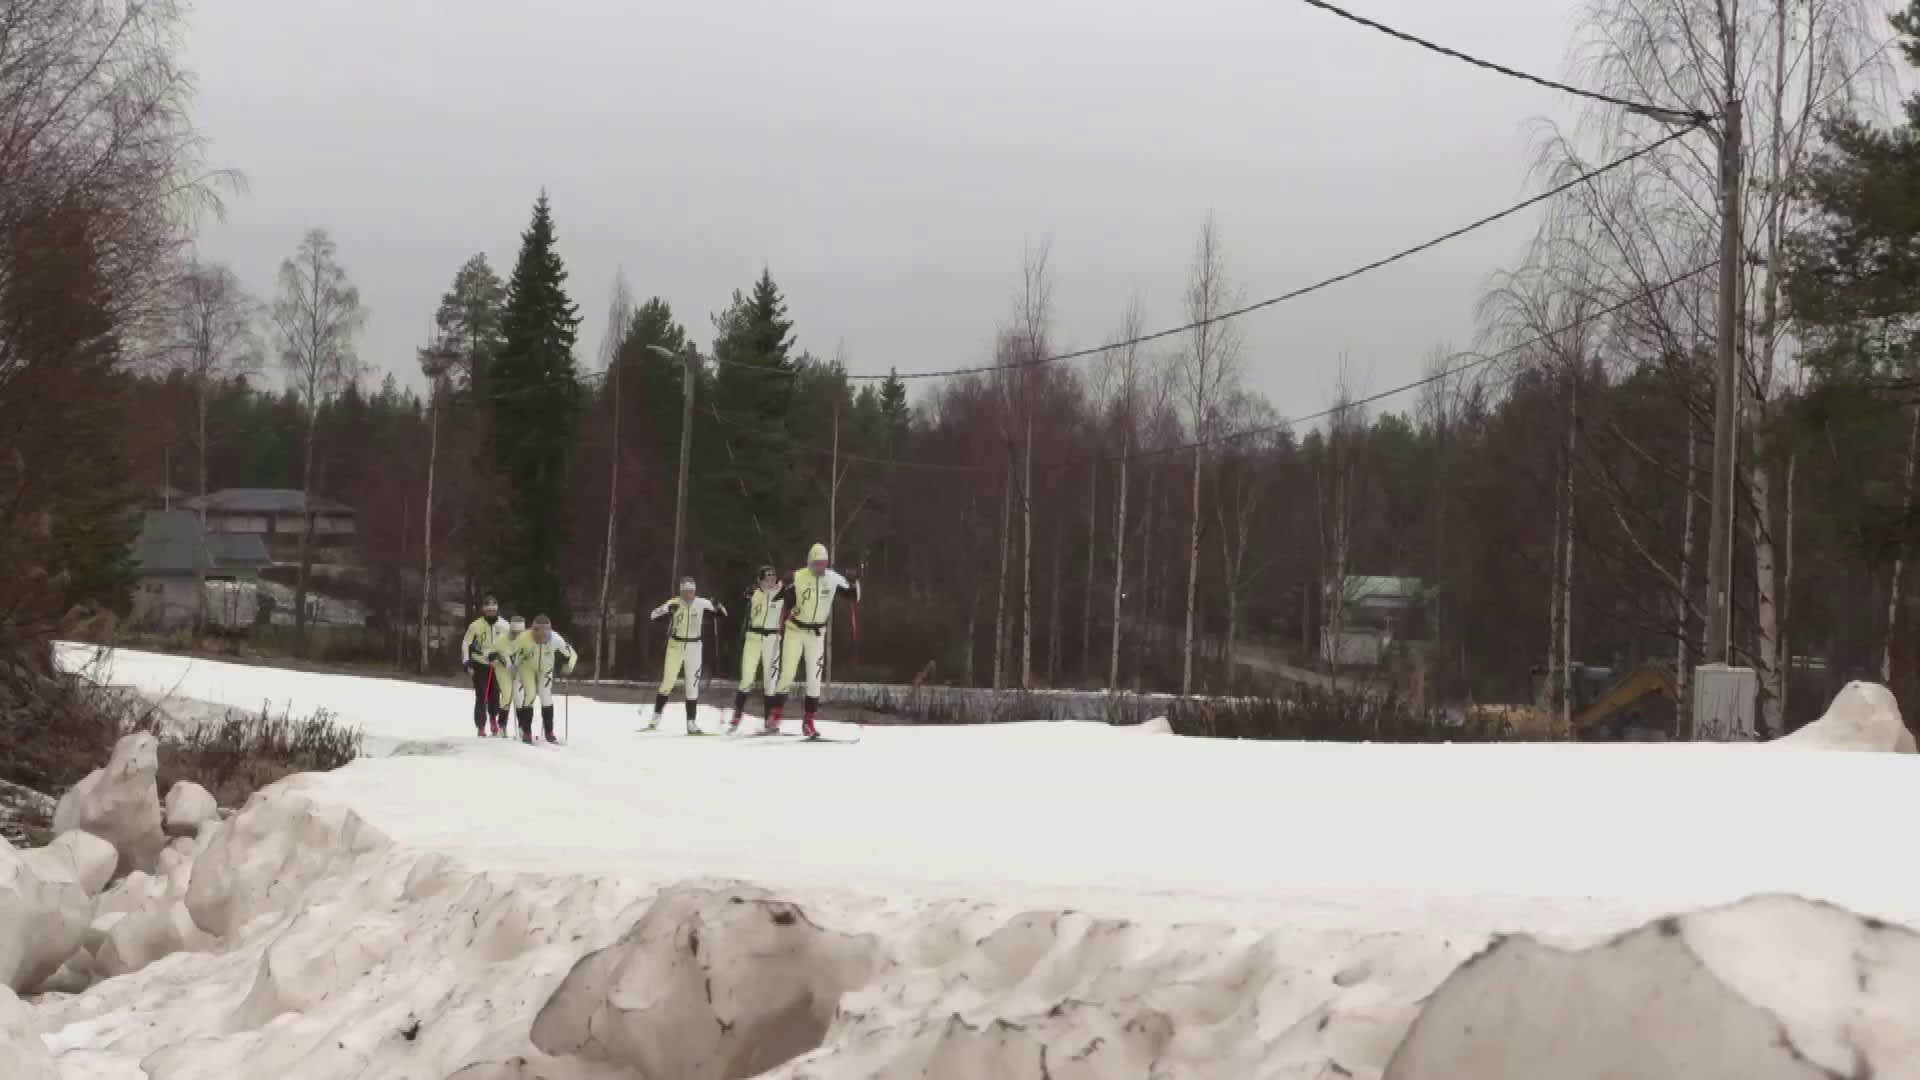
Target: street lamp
<point>687,360</point>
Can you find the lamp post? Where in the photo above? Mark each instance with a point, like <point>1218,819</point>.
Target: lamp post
<point>687,360</point>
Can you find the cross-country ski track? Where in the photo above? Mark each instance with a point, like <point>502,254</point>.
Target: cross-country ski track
<point>1318,861</point>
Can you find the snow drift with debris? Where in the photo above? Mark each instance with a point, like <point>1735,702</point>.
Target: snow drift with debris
<point>1069,902</point>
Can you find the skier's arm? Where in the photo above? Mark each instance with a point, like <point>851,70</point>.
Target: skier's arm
<point>715,605</point>
<point>661,610</point>
<point>567,651</point>
<point>470,645</point>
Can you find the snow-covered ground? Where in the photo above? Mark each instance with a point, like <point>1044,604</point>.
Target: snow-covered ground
<point>1317,880</point>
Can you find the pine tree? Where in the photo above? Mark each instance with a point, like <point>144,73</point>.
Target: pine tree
<point>893,405</point>
<point>749,499</point>
<point>534,391</point>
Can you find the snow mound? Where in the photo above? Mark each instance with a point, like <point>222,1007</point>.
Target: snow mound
<point>120,803</point>
<point>710,984</point>
<point>22,1055</point>
<point>82,856</point>
<point>1773,988</point>
<point>188,807</point>
<point>1863,716</point>
<point>44,908</point>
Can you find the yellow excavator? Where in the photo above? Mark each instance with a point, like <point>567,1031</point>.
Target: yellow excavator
<point>1595,719</point>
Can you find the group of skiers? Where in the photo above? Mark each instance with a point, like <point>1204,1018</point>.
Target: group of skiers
<point>514,666</point>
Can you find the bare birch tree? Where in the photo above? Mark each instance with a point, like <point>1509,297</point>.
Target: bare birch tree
<point>212,335</point>
<point>1244,496</point>
<point>317,315</point>
<point>1032,324</point>
<point>1122,384</point>
<point>1209,372</point>
<point>1789,65</point>
<point>1337,485</point>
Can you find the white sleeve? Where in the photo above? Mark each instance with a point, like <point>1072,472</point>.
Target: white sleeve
<point>840,584</point>
<point>661,610</point>
<point>560,643</point>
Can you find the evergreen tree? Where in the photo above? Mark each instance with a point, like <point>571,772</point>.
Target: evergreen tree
<point>468,327</point>
<point>749,499</point>
<point>893,405</point>
<point>534,391</point>
<point>1854,296</point>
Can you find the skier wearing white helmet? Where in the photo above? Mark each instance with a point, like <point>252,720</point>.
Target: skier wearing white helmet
<point>803,644</point>
<point>688,612</point>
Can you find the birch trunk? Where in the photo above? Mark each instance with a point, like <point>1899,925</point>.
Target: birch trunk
<point>306,531</point>
<point>1026,556</point>
<point>1119,568</point>
<point>1566,564</point>
<point>600,636</point>
<point>426,533</point>
<point>1900,560</point>
<point>1193,583</point>
<point>1053,612</point>
<point>1683,667</point>
<point>1000,591</point>
<point>1093,535</point>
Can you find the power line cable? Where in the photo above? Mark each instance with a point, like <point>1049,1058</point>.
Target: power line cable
<point>1698,117</point>
<point>1323,283</point>
<point>1478,361</point>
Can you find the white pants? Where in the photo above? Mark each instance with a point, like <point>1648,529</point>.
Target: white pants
<point>760,658</point>
<point>803,650</point>
<point>682,656</point>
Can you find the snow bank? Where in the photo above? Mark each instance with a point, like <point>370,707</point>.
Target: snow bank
<point>369,961</point>
<point>1048,901</point>
<point>1863,716</point>
<point>120,803</point>
<point>44,908</point>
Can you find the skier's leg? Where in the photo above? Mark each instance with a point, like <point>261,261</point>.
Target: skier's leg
<point>482,690</point>
<point>816,661</point>
<point>546,706</point>
<point>750,655</point>
<point>786,661</point>
<point>526,722</point>
<point>693,684</point>
<point>669,673</point>
<point>503,691</point>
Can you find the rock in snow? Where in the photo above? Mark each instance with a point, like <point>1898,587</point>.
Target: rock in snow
<point>22,1055</point>
<point>1719,995</point>
<point>708,985</point>
<point>188,807</point>
<point>120,804</point>
<point>44,910</point>
<point>1863,716</point>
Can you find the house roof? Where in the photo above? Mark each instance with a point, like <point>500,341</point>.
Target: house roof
<point>1360,588</point>
<point>265,501</point>
<point>170,542</point>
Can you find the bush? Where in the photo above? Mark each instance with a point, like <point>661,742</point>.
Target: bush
<point>54,730</point>
<point>1312,714</point>
<point>240,753</point>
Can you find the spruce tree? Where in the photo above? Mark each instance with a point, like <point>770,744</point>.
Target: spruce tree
<point>534,391</point>
<point>749,498</point>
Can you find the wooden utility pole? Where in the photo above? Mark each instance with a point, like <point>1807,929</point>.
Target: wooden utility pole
<point>1725,395</point>
<point>686,450</point>
<point>601,637</point>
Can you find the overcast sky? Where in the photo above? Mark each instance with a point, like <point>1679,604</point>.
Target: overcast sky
<point>889,160</point>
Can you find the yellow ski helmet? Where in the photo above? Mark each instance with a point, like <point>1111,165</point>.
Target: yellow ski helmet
<point>817,553</point>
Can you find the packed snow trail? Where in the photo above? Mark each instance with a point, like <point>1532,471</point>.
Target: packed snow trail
<point>1573,840</point>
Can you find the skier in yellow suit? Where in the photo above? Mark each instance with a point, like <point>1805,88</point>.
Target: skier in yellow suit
<point>688,612</point>
<point>537,655</point>
<point>760,653</point>
<point>803,645</point>
<point>485,636</point>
